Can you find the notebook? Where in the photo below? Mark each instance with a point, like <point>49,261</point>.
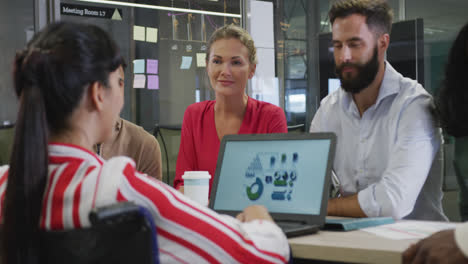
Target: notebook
<point>287,173</point>
<point>348,224</point>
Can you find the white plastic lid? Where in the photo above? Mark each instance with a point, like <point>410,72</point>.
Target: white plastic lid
<point>196,175</point>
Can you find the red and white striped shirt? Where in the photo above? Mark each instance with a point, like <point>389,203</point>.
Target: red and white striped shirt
<point>187,232</point>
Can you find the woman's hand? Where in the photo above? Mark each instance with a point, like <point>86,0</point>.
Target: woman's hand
<point>254,212</point>
<point>181,189</point>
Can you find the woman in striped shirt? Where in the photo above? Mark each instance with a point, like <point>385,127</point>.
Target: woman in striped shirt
<point>69,81</point>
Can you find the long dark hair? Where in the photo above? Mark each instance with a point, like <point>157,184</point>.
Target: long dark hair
<point>50,76</point>
<point>452,102</point>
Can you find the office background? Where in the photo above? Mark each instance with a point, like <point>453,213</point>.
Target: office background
<point>301,70</point>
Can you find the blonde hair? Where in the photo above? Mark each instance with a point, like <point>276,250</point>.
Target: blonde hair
<point>235,32</point>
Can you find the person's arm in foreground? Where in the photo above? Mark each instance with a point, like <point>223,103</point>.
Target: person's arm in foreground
<point>189,231</point>
<point>3,184</point>
<point>448,246</point>
<point>254,212</point>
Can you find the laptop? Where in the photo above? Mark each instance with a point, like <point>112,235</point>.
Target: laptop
<point>287,173</point>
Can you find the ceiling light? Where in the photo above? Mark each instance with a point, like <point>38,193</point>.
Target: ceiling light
<point>166,8</point>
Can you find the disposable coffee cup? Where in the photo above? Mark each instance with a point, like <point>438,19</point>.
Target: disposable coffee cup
<point>197,185</point>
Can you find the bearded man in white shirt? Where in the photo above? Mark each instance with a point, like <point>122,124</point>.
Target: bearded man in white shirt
<point>386,135</point>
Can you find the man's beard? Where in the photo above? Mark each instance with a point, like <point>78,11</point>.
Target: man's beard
<point>365,74</point>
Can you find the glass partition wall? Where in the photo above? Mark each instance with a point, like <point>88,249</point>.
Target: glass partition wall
<point>163,47</point>
<point>16,28</point>
<point>304,62</point>
<point>164,43</point>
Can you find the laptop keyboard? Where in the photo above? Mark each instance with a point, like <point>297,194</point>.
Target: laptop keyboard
<point>288,225</point>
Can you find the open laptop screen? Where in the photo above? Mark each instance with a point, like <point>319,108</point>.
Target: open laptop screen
<point>285,175</point>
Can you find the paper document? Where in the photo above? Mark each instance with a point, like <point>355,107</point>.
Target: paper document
<point>151,35</point>
<point>152,66</point>
<point>139,66</point>
<point>139,33</point>
<point>201,60</point>
<point>186,62</point>
<point>153,82</point>
<point>139,81</point>
<point>409,229</point>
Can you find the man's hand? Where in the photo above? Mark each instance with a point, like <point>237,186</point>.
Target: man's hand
<point>438,248</point>
<point>254,212</point>
<point>345,206</point>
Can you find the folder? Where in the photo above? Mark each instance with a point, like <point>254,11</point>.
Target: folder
<point>348,224</point>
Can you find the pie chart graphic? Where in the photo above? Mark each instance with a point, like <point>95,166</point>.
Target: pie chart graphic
<point>255,190</point>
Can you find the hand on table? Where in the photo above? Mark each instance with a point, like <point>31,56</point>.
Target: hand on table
<point>438,248</point>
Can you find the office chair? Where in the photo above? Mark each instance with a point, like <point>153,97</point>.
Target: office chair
<point>462,205</point>
<point>7,133</point>
<point>120,233</point>
<point>6,125</point>
<point>158,131</point>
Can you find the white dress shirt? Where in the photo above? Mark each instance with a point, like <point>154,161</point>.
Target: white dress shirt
<point>385,155</point>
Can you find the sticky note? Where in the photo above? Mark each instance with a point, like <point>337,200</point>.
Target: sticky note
<point>139,81</point>
<point>139,66</point>
<point>139,33</point>
<point>152,66</point>
<point>151,34</point>
<point>201,62</point>
<point>186,62</point>
<point>153,82</point>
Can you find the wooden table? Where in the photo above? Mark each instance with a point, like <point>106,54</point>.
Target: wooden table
<point>353,247</point>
